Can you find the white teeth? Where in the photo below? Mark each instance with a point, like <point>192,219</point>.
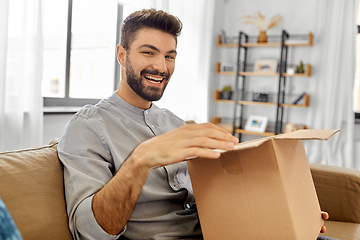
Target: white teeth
<point>154,81</point>
<point>154,78</point>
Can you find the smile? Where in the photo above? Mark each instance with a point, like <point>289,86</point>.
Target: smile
<point>154,79</point>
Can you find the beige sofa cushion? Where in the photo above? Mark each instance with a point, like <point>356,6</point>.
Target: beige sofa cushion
<point>338,190</point>
<point>342,230</point>
<point>31,186</point>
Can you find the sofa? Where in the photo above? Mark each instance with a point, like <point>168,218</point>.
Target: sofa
<point>31,186</point>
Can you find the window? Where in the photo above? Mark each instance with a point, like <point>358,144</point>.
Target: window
<point>80,38</point>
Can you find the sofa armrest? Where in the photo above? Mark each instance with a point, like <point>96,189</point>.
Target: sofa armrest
<point>338,191</point>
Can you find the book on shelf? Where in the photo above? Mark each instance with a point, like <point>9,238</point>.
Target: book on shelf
<point>299,98</point>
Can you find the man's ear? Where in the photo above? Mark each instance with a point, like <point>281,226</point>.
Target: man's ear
<point>121,55</point>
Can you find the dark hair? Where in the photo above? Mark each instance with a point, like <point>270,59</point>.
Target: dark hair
<point>148,18</point>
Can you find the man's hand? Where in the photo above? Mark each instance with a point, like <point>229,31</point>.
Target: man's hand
<point>324,216</point>
<point>184,142</point>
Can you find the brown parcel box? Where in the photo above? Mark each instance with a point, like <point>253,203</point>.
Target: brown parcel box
<point>263,189</point>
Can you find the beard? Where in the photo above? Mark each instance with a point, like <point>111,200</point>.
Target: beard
<point>149,93</point>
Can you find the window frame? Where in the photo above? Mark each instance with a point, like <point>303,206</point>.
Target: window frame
<point>66,101</point>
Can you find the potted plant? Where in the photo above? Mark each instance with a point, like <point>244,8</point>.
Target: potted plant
<point>226,92</point>
<point>300,68</point>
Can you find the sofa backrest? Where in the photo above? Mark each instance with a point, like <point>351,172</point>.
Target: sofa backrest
<point>31,186</point>
<point>338,191</point>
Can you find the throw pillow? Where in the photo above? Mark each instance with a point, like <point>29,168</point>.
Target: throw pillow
<point>8,229</point>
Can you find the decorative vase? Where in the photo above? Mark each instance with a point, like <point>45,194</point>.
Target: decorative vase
<point>262,38</point>
<point>225,95</point>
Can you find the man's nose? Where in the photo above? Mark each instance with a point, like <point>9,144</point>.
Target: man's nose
<point>160,64</point>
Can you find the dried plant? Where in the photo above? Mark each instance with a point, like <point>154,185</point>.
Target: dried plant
<point>259,21</point>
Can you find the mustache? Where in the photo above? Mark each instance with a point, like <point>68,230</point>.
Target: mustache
<point>156,72</point>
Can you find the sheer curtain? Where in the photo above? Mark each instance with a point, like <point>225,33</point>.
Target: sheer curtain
<point>21,116</point>
<point>334,58</point>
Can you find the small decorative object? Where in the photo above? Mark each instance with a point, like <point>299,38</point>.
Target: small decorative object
<point>256,123</point>
<point>290,127</point>
<point>227,67</point>
<point>300,68</point>
<point>290,71</point>
<point>265,65</point>
<point>260,95</point>
<point>259,21</point>
<point>226,92</point>
<point>223,37</point>
<point>299,98</point>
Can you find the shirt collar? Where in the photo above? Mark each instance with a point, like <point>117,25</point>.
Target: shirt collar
<point>118,100</point>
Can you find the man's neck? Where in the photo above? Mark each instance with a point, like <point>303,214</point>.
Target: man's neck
<point>128,95</point>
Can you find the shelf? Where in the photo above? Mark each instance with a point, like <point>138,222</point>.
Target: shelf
<point>259,74</point>
<point>217,97</point>
<point>228,127</point>
<point>306,97</point>
<point>226,45</point>
<point>293,43</point>
<point>218,71</point>
<point>257,103</point>
<point>242,131</point>
<point>304,105</point>
<point>306,74</point>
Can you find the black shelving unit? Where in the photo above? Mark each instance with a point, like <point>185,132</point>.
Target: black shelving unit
<point>282,82</point>
<point>240,80</point>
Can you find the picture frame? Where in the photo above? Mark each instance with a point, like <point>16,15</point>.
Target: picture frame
<point>256,123</point>
<point>265,65</point>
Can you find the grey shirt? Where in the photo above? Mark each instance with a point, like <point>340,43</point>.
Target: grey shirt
<point>95,144</point>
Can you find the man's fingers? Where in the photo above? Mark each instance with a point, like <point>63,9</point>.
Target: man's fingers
<point>325,215</point>
<point>205,142</point>
<point>209,131</point>
<point>203,153</point>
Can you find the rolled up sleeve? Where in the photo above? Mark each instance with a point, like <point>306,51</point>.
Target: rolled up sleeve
<point>87,226</point>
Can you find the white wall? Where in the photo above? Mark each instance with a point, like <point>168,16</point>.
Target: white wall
<point>54,125</point>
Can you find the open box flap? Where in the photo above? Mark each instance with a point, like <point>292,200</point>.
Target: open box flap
<point>308,134</point>
<point>303,134</point>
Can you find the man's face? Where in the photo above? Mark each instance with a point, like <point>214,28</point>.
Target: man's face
<point>150,62</point>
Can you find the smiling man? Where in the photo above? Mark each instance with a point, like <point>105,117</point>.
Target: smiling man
<point>124,159</point>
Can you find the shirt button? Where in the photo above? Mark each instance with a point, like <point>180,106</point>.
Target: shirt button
<point>146,112</point>
<point>187,205</point>
<point>152,126</point>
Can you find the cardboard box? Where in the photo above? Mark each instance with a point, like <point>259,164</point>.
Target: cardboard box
<point>261,190</point>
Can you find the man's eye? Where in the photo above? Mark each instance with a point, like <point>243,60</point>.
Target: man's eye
<point>148,53</point>
<point>170,57</point>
